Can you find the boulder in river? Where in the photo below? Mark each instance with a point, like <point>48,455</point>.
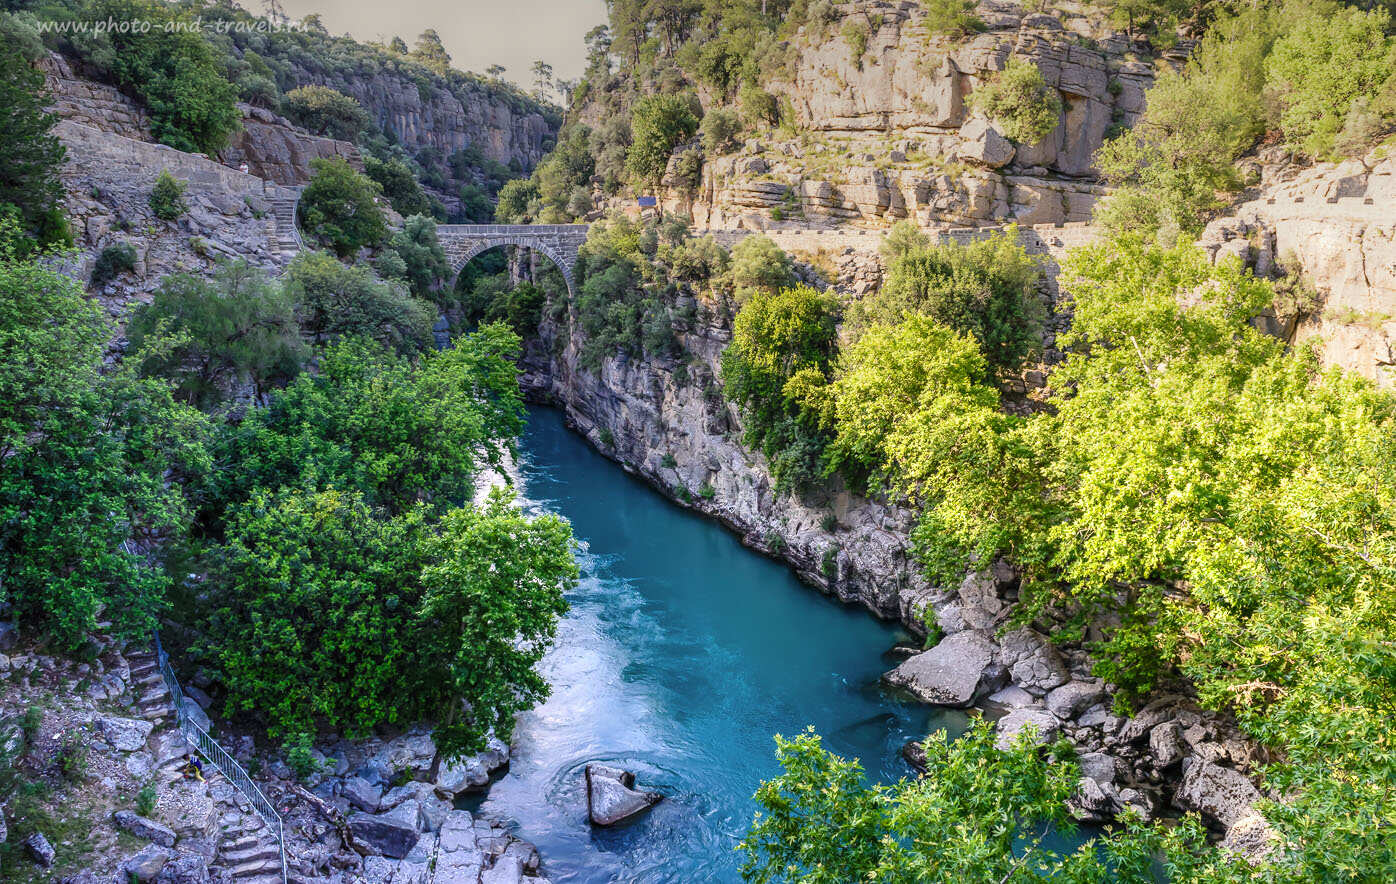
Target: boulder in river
<point>612,797</point>
<point>955,672</point>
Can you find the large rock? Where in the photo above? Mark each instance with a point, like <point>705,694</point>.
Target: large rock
<point>460,775</point>
<point>612,797</point>
<point>361,794</point>
<point>147,864</point>
<point>984,145</point>
<point>1045,726</point>
<point>185,868</point>
<point>508,869</point>
<point>143,828</point>
<point>1074,697</point>
<point>1222,795</point>
<point>1166,745</point>
<point>394,833</point>
<point>125,734</point>
<point>955,672</point>
<point>1033,663</point>
<point>39,849</point>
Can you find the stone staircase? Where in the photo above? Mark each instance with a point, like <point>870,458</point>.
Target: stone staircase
<point>246,849</point>
<point>283,209</point>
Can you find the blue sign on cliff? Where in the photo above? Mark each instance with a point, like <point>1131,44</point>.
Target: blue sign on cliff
<point>648,202</point>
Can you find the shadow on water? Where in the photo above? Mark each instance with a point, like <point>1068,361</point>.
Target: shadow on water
<point>682,655</point>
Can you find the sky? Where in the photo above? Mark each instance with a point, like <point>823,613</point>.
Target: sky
<point>477,33</point>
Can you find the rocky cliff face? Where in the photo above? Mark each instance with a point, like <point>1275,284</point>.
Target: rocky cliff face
<point>889,134</point>
<point>1333,223</point>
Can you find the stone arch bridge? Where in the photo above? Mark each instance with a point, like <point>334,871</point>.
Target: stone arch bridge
<point>558,242</point>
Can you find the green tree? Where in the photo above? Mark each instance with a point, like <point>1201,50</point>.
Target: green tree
<point>401,433</point>
<point>325,111</point>
<point>237,326</point>
<point>170,67</point>
<point>399,184</point>
<point>30,156</point>
<point>429,51</point>
<point>325,612</point>
<point>978,814</point>
<point>1147,16</point>
<point>658,124</point>
<point>1019,100</point>
<point>338,208</point>
<point>334,301</point>
<point>783,345</point>
<point>167,197</point>
<point>85,459</point>
<point>427,269</point>
<point>1332,56</point>
<point>987,289</point>
<point>758,263</point>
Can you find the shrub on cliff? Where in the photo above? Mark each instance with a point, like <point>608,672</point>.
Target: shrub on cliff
<point>113,261</point>
<point>987,289</point>
<point>334,301</point>
<point>30,156</point>
<point>88,455</point>
<point>167,197</point>
<point>323,612</point>
<point>1019,101</point>
<point>171,67</point>
<point>338,208</point>
<point>399,185</point>
<point>325,111</point>
<point>658,124</point>
<point>783,346</point>
<point>423,258</point>
<point>237,326</point>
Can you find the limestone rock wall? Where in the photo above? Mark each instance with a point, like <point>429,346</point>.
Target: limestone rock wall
<point>890,134</point>
<point>279,151</point>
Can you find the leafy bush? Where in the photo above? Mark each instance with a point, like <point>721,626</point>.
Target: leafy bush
<point>167,197</point>
<point>758,263</point>
<point>113,261</point>
<point>759,107</point>
<point>658,123</point>
<point>1020,102</point>
<point>325,111</point>
<point>987,289</point>
<point>954,18</point>
<point>398,183</point>
<point>93,458</point>
<point>495,298</point>
<point>338,208</point>
<point>1331,57</point>
<point>412,616</point>
<point>720,128</point>
<point>623,294</point>
<point>169,66</point>
<point>237,326</point>
<point>400,433</point>
<point>425,261</point>
<point>334,301</point>
<point>782,343</point>
<point>856,35</point>
<point>30,156</point>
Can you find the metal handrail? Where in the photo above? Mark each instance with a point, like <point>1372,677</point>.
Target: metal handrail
<point>218,756</point>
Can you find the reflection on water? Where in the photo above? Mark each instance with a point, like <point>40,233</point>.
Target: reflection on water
<point>683,653</point>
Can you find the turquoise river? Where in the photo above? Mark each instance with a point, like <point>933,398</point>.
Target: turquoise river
<point>683,653</point>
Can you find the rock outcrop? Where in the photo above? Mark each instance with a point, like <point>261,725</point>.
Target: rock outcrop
<point>612,797</point>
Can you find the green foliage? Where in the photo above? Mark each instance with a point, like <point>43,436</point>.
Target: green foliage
<point>759,108</point>
<point>425,261</point>
<point>168,66</point>
<point>430,52</point>
<point>325,111</point>
<point>167,197</point>
<point>145,800</point>
<point>658,123</point>
<point>396,432</point>
<point>333,300</point>
<point>300,757</point>
<point>84,461</point>
<point>398,183</point>
<point>338,208</point>
<point>720,128</point>
<point>111,262</point>
<point>758,263</point>
<point>903,399</point>
<point>953,18</point>
<point>856,35</point>
<point>517,201</point>
<point>783,344</point>
<point>237,326</point>
<point>412,619</point>
<point>30,156</point>
<point>1156,17</point>
<point>979,814</point>
<point>1331,57</point>
<point>495,298</point>
<point>987,289</point>
<point>1020,102</point>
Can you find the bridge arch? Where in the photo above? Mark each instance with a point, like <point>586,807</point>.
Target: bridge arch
<point>559,243</point>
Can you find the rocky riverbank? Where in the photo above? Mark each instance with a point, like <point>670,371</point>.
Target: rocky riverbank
<point>668,423</point>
